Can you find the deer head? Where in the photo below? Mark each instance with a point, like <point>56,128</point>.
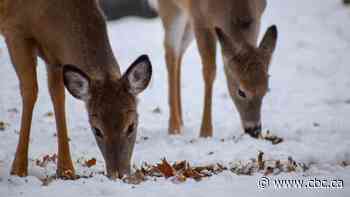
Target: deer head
<point>112,109</point>
<point>246,69</point>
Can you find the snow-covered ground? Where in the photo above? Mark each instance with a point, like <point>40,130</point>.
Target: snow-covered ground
<point>309,106</point>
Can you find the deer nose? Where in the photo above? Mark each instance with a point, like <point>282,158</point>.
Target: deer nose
<point>254,131</point>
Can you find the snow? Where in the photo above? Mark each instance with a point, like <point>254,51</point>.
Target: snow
<point>309,86</point>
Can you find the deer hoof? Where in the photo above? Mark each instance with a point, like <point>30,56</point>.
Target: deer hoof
<point>21,172</point>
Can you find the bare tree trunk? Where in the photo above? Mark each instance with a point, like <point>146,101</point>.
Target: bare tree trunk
<point>116,9</point>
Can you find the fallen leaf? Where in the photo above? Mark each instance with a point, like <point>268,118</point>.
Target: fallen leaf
<point>272,138</point>
<point>181,171</point>
<point>221,168</point>
<point>68,175</point>
<point>46,160</point>
<point>190,173</point>
<point>91,162</point>
<point>180,165</point>
<point>3,126</point>
<point>166,169</point>
<point>179,178</point>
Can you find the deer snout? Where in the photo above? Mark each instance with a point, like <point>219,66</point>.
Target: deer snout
<point>253,129</point>
<point>117,169</point>
<point>116,173</point>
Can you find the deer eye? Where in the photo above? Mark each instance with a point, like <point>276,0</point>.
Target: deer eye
<point>97,132</point>
<point>242,94</point>
<point>131,129</point>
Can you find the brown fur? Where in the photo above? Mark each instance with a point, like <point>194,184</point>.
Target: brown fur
<point>252,72</point>
<point>73,32</point>
<point>246,64</point>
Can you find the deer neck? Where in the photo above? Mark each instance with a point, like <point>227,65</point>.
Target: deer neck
<point>94,57</point>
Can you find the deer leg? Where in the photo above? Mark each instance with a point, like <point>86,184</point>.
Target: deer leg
<point>207,48</point>
<point>173,66</point>
<point>65,167</point>
<point>186,39</point>
<point>178,89</point>
<point>175,47</point>
<point>178,36</point>
<point>23,57</point>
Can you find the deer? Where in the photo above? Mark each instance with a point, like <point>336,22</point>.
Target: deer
<point>71,37</point>
<point>235,24</point>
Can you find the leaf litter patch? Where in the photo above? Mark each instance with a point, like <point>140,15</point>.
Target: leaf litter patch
<point>181,171</point>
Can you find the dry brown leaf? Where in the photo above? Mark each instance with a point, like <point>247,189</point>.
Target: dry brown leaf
<point>166,169</point>
<point>68,175</point>
<point>180,165</point>
<point>190,173</point>
<point>181,171</point>
<point>221,167</point>
<point>91,162</point>
<point>45,160</point>
<point>274,139</point>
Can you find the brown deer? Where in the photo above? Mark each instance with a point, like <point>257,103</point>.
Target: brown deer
<point>235,24</point>
<point>71,37</point>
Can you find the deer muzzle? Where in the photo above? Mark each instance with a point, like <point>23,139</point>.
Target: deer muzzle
<point>253,129</point>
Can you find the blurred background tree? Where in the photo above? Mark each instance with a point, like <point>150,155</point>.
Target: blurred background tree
<point>346,2</point>
<point>116,9</point>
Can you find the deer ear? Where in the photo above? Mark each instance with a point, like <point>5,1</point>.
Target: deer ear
<point>138,75</point>
<point>269,41</point>
<point>76,82</point>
